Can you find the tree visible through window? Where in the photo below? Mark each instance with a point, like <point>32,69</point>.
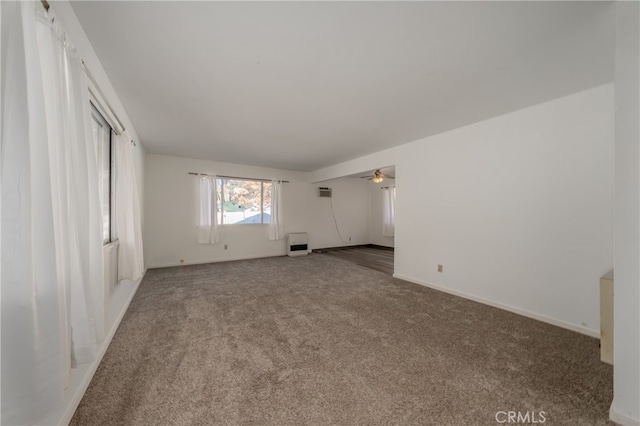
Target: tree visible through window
<point>244,201</point>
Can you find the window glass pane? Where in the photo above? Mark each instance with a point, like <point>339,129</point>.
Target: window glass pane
<point>96,127</point>
<point>102,139</point>
<point>242,200</point>
<point>113,168</point>
<point>266,202</point>
<point>105,182</point>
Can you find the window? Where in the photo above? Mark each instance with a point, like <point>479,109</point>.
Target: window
<point>104,138</point>
<point>244,201</point>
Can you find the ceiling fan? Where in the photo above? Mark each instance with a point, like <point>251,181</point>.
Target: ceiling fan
<point>377,176</point>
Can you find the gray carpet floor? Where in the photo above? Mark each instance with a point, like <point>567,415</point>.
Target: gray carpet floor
<point>374,257</point>
<point>318,340</point>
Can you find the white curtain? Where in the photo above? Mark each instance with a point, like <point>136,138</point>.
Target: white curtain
<point>208,201</point>
<point>130,255</point>
<point>31,354</point>
<point>84,217</point>
<point>76,206</point>
<point>51,265</point>
<point>276,225</point>
<point>389,213</point>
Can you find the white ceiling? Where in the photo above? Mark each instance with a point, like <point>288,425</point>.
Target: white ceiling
<point>304,85</point>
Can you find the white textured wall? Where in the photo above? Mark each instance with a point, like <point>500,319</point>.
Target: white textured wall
<point>171,213</point>
<point>308,212</point>
<point>626,335</point>
<point>518,209</point>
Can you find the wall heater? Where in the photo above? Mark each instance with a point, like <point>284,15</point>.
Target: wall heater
<point>297,244</point>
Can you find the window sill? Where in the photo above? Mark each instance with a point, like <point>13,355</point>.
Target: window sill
<point>111,245</point>
<point>230,225</point>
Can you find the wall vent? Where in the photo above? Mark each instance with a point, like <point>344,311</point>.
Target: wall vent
<point>324,191</point>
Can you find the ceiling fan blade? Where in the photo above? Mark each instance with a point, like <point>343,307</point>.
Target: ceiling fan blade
<point>366,177</point>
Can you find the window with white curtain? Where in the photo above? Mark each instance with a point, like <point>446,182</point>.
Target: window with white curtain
<point>104,138</point>
<point>51,268</point>
<point>389,212</point>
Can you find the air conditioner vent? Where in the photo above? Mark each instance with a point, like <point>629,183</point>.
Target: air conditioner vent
<point>324,191</point>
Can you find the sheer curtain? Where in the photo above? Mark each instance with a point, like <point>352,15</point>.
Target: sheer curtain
<point>276,226</point>
<point>130,255</point>
<point>73,176</point>
<point>389,213</point>
<point>51,265</point>
<point>208,200</point>
<point>84,216</point>
<point>31,358</point>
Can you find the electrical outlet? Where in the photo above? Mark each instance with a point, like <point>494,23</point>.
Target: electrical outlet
<point>349,240</point>
<point>440,268</point>
<point>226,246</point>
<point>181,260</point>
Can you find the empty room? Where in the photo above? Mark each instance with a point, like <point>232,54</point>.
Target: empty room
<point>319,213</point>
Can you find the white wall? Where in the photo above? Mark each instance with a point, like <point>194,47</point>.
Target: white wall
<point>626,367</point>
<point>518,208</point>
<point>376,216</point>
<point>171,213</point>
<point>305,210</point>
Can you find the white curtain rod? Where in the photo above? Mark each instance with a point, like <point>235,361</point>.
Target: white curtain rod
<point>103,98</point>
<point>100,94</point>
<point>237,177</point>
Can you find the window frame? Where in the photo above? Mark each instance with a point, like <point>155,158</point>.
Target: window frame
<point>220,180</point>
<point>97,113</point>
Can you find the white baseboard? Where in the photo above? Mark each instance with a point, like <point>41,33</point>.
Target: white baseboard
<point>525,313</point>
<point>81,376</point>
<point>204,261</point>
<point>621,419</point>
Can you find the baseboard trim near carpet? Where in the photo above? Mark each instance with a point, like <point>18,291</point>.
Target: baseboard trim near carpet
<point>621,419</point>
<point>84,373</point>
<point>205,261</point>
<point>525,313</point>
